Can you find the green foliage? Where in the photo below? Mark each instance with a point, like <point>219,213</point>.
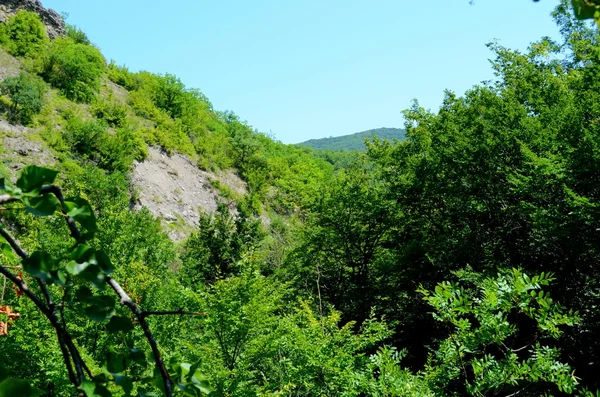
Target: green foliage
<point>76,34</point>
<point>253,347</point>
<point>221,241</point>
<point>110,150</point>
<point>122,76</point>
<point>74,69</point>
<point>24,34</point>
<point>115,114</point>
<point>497,337</point>
<point>80,273</point>
<point>504,176</point>
<point>355,142</point>
<point>586,9</point>
<point>26,94</point>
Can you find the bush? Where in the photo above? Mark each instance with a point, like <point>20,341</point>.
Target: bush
<point>113,113</point>
<point>122,76</point>
<point>24,34</point>
<point>77,35</point>
<point>74,68</point>
<point>84,137</point>
<point>110,151</point>
<point>119,150</point>
<point>26,93</point>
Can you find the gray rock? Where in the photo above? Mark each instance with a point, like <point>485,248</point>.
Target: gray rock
<point>55,25</point>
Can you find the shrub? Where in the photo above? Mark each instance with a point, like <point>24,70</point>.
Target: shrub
<point>26,93</point>
<point>84,137</point>
<point>74,68</point>
<point>122,76</point>
<point>77,35</point>
<point>24,34</point>
<point>113,113</point>
<point>119,150</point>
<point>110,151</point>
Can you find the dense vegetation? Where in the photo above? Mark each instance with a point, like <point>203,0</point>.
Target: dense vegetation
<point>461,261</point>
<point>354,142</point>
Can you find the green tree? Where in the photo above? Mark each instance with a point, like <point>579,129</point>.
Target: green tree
<point>212,252</point>
<point>24,34</point>
<point>26,94</point>
<point>74,68</point>
<point>76,34</point>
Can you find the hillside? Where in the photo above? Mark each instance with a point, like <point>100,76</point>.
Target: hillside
<point>354,142</point>
<point>151,245</point>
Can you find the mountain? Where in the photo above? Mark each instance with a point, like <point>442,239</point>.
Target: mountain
<point>354,142</point>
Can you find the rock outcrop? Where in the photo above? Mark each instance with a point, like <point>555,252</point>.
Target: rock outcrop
<point>55,24</point>
<point>173,189</point>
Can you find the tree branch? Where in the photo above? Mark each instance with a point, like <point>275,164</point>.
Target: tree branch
<point>65,340</point>
<point>13,244</point>
<point>125,300</point>
<point>69,351</point>
<point>6,198</point>
<point>45,310</point>
<point>55,190</point>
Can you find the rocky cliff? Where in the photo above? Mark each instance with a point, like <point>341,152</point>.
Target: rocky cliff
<point>53,21</point>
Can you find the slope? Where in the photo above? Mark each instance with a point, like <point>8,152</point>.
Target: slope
<point>354,142</point>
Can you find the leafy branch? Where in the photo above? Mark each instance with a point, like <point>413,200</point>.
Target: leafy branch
<point>35,189</point>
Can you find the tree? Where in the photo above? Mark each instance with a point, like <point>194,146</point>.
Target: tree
<point>24,34</point>
<point>74,68</point>
<point>26,93</point>
<point>76,34</point>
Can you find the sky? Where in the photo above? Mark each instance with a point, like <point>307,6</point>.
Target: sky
<point>305,69</point>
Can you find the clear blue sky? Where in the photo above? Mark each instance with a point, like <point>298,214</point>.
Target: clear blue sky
<point>312,68</point>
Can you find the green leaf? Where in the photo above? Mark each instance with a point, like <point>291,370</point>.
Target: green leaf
<point>137,356</point>
<point>40,264</point>
<point>115,363</point>
<point>94,390</point>
<point>125,382</point>
<point>44,205</point>
<point>80,210</point>
<point>8,252</point>
<point>104,262</point>
<point>89,264</point>
<point>11,387</point>
<point>583,10</point>
<point>119,323</point>
<point>84,294</point>
<point>33,177</point>
<point>101,308</point>
<point>75,268</point>
<point>2,185</point>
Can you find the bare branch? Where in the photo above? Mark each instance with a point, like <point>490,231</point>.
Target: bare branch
<point>6,198</point>
<point>13,244</point>
<point>127,301</point>
<point>55,190</point>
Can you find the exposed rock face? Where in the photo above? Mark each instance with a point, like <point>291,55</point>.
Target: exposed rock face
<point>53,21</point>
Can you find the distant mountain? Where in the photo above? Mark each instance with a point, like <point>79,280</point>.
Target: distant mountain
<point>354,142</point>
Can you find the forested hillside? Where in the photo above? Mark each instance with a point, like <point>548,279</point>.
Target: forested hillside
<point>464,260</point>
<point>354,142</point>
